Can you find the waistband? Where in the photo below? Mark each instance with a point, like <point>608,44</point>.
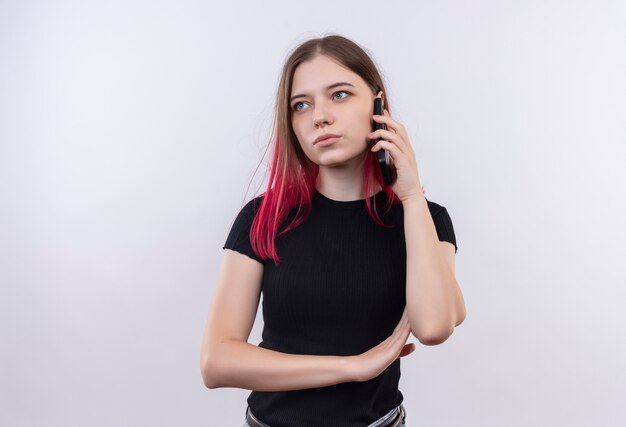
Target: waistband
<point>394,418</point>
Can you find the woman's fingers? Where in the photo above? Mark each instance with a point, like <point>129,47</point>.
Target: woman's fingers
<point>391,124</point>
<point>407,349</point>
<point>391,137</point>
<point>395,132</point>
<point>401,322</point>
<point>371,363</point>
<point>401,333</point>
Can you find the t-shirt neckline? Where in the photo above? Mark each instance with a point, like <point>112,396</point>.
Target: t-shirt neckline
<point>347,203</point>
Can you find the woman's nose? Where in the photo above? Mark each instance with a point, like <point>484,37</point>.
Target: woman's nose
<point>321,115</point>
<point>318,122</point>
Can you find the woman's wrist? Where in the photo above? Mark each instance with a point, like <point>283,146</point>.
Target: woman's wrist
<point>350,368</point>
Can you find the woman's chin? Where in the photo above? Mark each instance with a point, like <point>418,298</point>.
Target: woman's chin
<point>338,161</point>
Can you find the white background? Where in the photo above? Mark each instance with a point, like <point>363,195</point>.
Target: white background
<point>130,131</point>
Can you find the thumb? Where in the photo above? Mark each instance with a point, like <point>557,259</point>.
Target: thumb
<point>407,349</point>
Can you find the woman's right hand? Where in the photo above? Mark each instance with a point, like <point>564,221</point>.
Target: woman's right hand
<point>373,362</point>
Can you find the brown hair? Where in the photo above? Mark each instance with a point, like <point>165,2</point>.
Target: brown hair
<point>292,174</point>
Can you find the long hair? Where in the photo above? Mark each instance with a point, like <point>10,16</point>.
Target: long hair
<point>293,175</point>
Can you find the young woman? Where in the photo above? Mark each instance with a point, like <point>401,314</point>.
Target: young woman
<point>348,267</point>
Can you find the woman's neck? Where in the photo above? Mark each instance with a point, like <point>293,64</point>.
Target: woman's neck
<point>342,185</point>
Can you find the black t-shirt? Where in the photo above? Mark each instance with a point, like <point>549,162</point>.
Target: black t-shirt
<point>340,289</point>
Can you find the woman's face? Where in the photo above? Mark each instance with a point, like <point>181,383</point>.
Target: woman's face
<point>327,98</point>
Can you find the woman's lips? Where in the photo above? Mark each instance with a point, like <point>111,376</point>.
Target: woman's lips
<point>328,141</point>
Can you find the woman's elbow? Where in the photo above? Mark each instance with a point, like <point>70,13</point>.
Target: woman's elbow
<point>209,375</point>
<point>434,336</point>
<point>461,314</point>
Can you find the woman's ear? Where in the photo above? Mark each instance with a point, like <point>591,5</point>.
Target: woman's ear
<point>381,95</point>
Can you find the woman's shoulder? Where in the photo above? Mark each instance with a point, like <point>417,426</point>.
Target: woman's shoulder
<point>252,206</point>
<point>434,207</point>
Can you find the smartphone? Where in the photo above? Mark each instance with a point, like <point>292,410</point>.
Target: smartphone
<point>387,169</point>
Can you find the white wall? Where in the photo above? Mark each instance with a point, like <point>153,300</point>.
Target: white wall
<point>129,131</point>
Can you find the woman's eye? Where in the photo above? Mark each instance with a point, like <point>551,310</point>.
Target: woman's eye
<point>297,104</point>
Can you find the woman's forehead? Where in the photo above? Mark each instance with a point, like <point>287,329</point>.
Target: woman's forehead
<point>320,73</point>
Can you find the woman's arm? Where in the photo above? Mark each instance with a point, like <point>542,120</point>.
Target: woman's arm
<point>244,365</point>
<point>228,360</point>
<point>433,297</point>
<point>434,300</point>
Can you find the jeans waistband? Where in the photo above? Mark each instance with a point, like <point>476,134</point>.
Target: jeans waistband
<point>393,418</point>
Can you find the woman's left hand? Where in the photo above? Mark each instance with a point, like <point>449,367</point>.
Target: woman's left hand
<point>396,140</point>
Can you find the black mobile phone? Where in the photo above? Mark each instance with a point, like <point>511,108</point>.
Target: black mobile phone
<point>387,169</point>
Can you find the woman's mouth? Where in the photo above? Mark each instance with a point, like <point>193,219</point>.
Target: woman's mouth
<point>327,141</point>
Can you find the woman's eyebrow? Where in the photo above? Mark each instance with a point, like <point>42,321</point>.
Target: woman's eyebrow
<point>334,85</point>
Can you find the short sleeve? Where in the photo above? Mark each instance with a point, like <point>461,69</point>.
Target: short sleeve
<point>443,223</point>
<point>239,236</point>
